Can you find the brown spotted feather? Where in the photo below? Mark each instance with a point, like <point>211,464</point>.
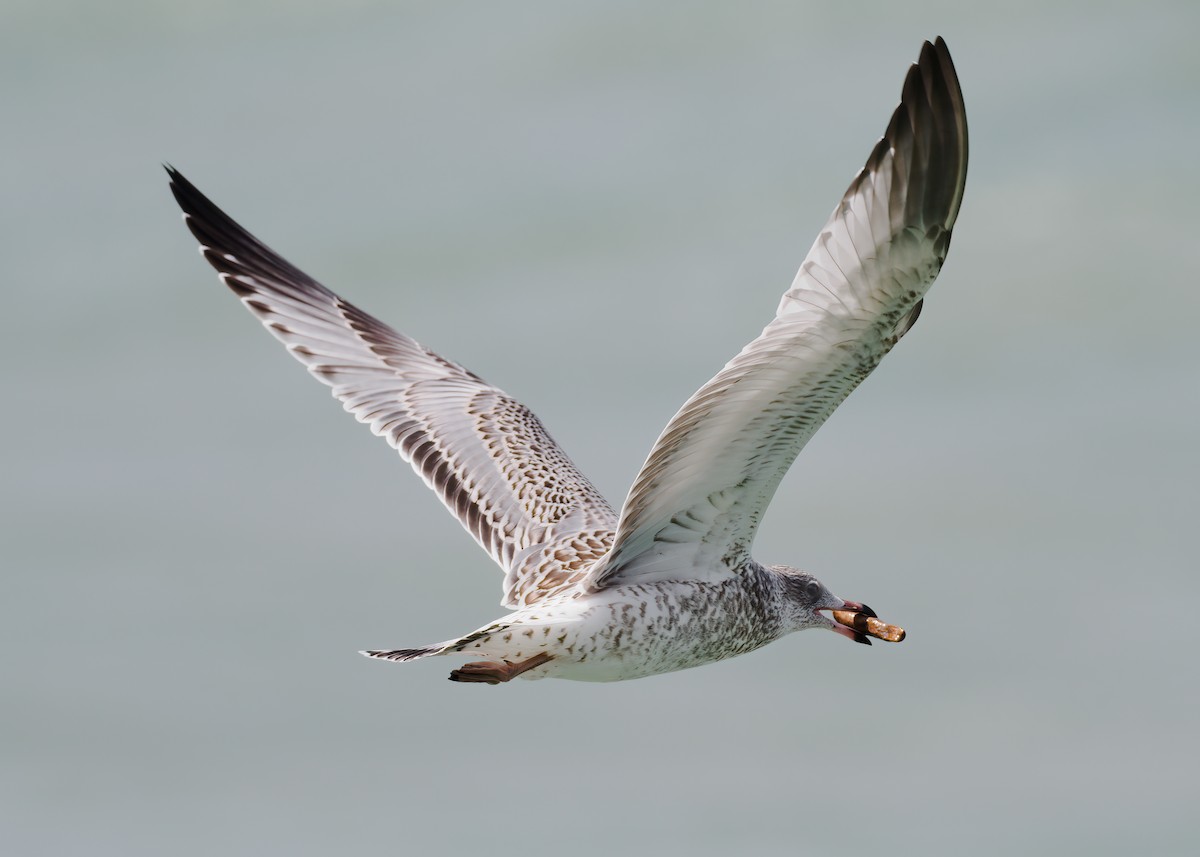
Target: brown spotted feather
<point>487,456</point>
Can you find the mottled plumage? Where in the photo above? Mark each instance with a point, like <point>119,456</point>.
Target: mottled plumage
<point>669,583</point>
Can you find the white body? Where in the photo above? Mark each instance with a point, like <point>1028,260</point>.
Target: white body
<point>637,630</point>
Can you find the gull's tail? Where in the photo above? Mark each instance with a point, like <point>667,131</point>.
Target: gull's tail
<point>408,654</point>
<point>450,646</point>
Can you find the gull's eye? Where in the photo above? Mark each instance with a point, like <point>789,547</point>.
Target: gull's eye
<point>814,589</point>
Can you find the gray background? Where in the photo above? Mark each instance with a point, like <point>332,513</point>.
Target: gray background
<point>593,206</point>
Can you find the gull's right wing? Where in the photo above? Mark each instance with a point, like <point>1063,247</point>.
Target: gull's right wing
<point>696,505</point>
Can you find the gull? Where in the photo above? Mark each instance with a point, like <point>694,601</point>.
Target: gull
<point>667,583</point>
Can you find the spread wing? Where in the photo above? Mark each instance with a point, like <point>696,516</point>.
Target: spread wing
<point>486,455</point>
<point>696,505</point>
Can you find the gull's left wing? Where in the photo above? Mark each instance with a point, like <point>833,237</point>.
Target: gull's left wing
<point>487,456</point>
<point>702,492</point>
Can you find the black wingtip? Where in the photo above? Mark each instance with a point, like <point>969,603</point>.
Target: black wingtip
<point>228,246</point>
<point>173,174</point>
<point>190,199</point>
<point>927,140</point>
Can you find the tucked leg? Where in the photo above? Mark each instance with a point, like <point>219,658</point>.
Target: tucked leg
<point>494,672</point>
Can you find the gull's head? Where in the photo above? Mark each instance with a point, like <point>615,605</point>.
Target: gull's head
<point>814,606</point>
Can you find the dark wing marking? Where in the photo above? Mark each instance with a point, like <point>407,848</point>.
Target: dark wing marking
<point>487,456</point>
<point>695,506</point>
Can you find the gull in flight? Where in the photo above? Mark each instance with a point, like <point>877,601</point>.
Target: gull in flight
<point>668,582</point>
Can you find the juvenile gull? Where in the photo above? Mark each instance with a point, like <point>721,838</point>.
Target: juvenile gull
<point>668,583</point>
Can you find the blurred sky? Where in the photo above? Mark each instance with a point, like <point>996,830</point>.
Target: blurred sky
<point>593,205</point>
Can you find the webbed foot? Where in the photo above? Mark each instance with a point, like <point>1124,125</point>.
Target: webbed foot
<point>494,672</point>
